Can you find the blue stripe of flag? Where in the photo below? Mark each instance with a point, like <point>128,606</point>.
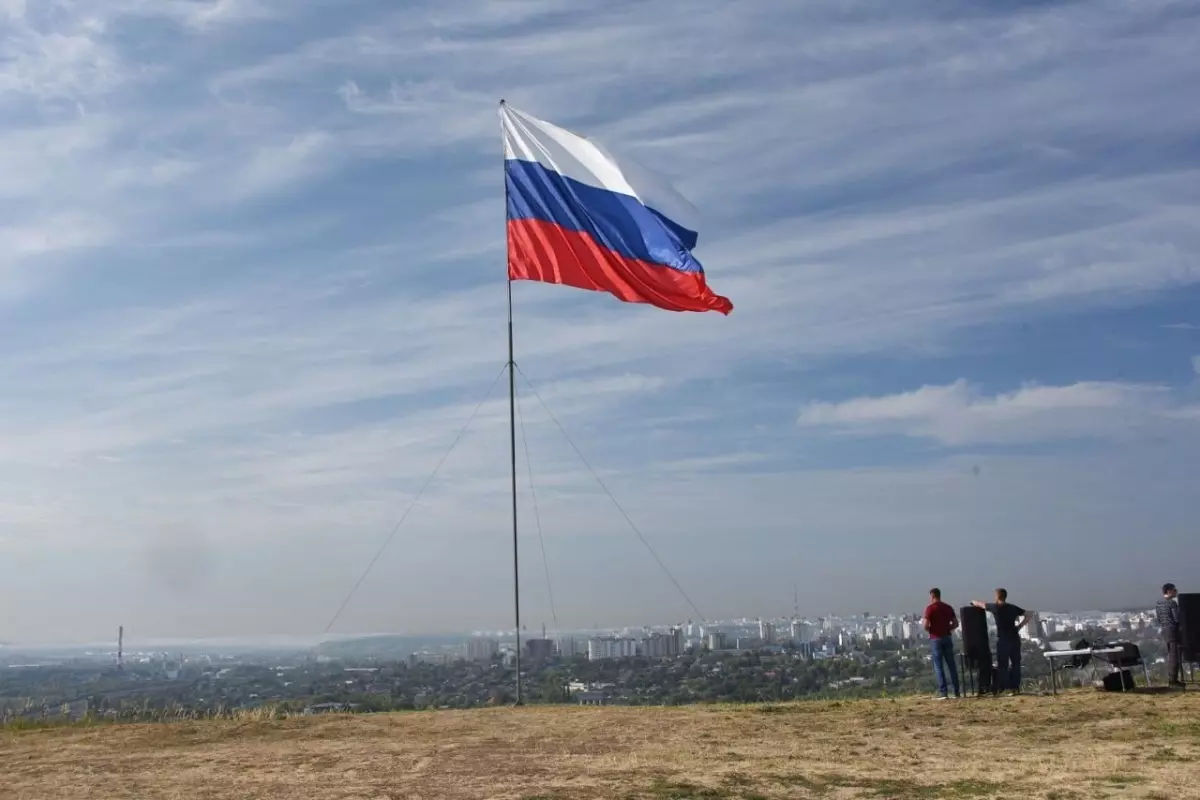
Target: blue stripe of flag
<point>613,220</point>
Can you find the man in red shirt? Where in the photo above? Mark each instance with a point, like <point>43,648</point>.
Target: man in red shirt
<point>940,621</point>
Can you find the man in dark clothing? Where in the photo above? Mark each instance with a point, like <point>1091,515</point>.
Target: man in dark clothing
<point>940,621</point>
<point>1010,619</point>
<point>1167,613</point>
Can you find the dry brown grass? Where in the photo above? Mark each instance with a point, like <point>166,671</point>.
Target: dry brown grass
<point>1079,745</point>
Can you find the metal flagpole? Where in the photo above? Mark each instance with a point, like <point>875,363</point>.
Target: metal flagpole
<point>512,438</point>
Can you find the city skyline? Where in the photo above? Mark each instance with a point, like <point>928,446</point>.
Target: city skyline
<point>780,623</point>
<point>252,287</point>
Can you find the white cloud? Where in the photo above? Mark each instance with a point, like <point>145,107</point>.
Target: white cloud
<point>959,413</point>
<point>70,62</point>
<point>216,12</point>
<point>279,165</point>
<point>202,16</point>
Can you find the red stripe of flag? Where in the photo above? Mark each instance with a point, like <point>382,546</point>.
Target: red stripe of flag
<point>546,252</point>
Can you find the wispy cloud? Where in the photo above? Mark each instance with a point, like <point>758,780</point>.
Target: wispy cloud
<point>960,413</point>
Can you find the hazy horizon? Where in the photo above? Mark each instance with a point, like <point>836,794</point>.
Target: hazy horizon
<point>275,640</point>
<point>252,286</point>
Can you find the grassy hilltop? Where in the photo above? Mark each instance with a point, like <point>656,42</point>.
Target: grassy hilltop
<point>1081,745</point>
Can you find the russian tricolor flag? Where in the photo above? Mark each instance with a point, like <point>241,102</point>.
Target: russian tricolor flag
<point>577,217</point>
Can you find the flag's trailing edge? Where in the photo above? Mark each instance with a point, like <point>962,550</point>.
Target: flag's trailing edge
<point>579,218</point>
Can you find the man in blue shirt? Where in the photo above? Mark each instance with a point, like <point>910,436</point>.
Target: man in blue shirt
<point>1010,619</point>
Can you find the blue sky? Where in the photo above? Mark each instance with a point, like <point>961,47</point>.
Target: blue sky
<point>252,285</point>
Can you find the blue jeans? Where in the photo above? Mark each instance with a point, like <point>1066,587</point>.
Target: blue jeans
<point>943,659</point>
<point>1008,664</point>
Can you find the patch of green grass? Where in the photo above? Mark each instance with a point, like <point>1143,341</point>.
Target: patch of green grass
<point>1121,780</point>
<point>812,785</point>
<point>682,790</point>
<point>975,789</point>
<point>893,788</point>
<point>1040,735</point>
<point>744,782</point>
<point>173,715</point>
<point>1174,729</point>
<point>1166,754</point>
<point>43,724</point>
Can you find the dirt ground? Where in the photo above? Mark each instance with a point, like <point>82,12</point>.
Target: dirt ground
<point>1080,745</point>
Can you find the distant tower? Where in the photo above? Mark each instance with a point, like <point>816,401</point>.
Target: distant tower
<point>795,601</point>
<point>120,647</point>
